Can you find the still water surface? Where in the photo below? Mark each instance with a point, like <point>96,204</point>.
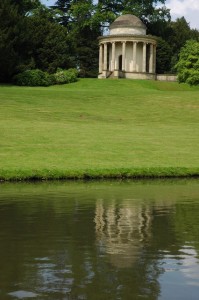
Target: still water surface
<point>105,240</point>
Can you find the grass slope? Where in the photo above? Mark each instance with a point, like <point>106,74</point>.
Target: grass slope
<point>99,128</point>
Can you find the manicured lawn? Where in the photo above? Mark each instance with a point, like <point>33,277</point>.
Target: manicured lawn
<point>99,127</point>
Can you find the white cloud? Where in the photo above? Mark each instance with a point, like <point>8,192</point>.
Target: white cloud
<point>180,7</point>
<point>187,8</point>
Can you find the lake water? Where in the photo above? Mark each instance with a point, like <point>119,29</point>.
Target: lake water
<point>100,240</point>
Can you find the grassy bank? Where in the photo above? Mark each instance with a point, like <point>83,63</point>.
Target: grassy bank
<point>99,128</point>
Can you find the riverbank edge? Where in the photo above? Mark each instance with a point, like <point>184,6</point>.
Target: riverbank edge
<point>88,174</point>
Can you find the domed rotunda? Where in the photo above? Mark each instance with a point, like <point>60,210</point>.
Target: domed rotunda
<point>127,52</point>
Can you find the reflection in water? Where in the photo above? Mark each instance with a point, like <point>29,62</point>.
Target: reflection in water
<point>181,274</point>
<point>122,230</point>
<point>96,241</point>
<point>190,266</point>
<point>23,294</point>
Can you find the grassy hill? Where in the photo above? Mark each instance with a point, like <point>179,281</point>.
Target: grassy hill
<point>99,128</point>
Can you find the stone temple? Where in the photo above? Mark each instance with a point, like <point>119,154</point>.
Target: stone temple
<point>127,52</point>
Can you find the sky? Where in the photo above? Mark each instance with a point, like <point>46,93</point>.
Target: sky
<point>178,8</point>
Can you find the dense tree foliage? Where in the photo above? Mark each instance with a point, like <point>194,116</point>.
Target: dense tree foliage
<point>145,9</point>
<point>188,65</point>
<point>26,6</point>
<point>12,38</point>
<point>50,46</point>
<point>14,35</point>
<point>164,56</point>
<point>179,33</point>
<point>33,36</point>
<point>84,31</point>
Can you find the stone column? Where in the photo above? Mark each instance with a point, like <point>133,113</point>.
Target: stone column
<point>113,56</point>
<point>105,57</point>
<point>123,55</point>
<point>151,59</point>
<point>100,58</point>
<point>134,56</point>
<point>144,58</point>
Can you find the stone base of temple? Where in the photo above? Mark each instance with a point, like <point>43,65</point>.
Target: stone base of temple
<point>128,75</point>
<point>104,74</point>
<point>131,75</point>
<point>167,77</point>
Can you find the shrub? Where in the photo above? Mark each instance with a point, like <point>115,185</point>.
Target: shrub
<point>34,78</point>
<point>39,78</point>
<point>188,64</point>
<point>193,79</point>
<point>65,76</point>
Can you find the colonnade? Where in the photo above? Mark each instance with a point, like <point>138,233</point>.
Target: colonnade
<point>107,48</point>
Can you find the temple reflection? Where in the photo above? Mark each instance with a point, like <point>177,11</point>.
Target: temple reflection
<point>122,230</point>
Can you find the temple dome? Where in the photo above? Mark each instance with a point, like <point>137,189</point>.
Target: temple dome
<point>127,24</point>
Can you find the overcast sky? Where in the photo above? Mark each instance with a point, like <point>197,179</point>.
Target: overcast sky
<point>187,8</point>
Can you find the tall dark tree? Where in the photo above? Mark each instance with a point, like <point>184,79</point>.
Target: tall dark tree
<point>164,55</point>
<point>26,6</point>
<point>12,38</point>
<point>83,29</point>
<point>62,9</point>
<point>50,46</point>
<point>31,37</point>
<point>179,33</point>
<point>158,24</point>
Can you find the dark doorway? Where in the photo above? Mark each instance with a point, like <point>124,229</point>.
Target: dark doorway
<point>147,58</point>
<point>120,63</point>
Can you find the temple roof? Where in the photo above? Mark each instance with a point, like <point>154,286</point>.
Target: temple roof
<point>127,21</point>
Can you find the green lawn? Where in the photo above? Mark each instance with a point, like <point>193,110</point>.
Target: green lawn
<point>99,128</point>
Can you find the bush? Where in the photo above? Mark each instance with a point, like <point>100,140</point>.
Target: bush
<point>65,76</point>
<point>188,64</point>
<point>193,79</point>
<point>34,78</point>
<point>39,78</point>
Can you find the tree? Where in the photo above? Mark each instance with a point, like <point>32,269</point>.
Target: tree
<point>12,38</point>
<point>31,37</point>
<point>26,6</point>
<point>83,28</point>
<point>85,31</point>
<point>188,64</point>
<point>62,9</point>
<point>179,32</point>
<point>164,54</point>
<point>50,46</point>
<point>146,10</point>
<point>158,23</point>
